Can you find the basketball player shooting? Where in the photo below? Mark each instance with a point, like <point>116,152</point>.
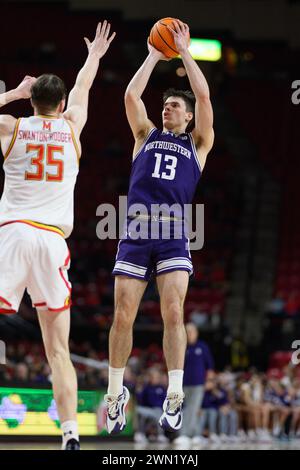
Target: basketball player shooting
<point>167,165</point>
<point>41,161</point>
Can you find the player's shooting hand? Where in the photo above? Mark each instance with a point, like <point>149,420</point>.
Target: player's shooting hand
<point>155,53</point>
<point>181,35</point>
<point>23,89</point>
<point>102,40</point>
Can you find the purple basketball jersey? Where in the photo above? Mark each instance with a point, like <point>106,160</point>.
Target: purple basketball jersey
<point>166,170</point>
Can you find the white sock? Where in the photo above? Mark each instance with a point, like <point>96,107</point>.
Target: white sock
<point>70,431</point>
<point>115,381</point>
<point>175,381</point>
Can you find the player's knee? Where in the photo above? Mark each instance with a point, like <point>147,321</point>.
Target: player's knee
<point>173,315</point>
<point>123,317</point>
<point>55,355</point>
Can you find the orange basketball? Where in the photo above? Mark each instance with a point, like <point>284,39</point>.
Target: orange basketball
<point>162,39</point>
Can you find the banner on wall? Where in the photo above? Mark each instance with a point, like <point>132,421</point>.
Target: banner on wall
<point>33,412</point>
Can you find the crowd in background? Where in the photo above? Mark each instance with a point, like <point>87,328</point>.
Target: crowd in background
<point>237,406</point>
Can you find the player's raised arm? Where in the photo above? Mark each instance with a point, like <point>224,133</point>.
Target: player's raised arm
<point>135,108</point>
<point>77,106</point>
<point>203,132</point>
<point>7,122</point>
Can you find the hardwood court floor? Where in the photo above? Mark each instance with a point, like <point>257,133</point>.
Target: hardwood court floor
<point>106,446</point>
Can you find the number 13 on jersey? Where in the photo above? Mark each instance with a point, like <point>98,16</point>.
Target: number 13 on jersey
<point>45,157</point>
<point>171,167</point>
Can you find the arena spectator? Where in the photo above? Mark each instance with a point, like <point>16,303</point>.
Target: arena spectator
<point>198,363</point>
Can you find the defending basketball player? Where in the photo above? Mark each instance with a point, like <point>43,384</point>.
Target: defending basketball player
<point>159,176</point>
<point>41,162</point>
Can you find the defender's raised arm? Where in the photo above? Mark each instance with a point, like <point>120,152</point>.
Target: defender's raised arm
<point>77,107</point>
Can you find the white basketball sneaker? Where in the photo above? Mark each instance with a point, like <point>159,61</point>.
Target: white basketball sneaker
<point>116,417</point>
<point>171,419</point>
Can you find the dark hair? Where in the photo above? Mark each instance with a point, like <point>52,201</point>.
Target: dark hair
<point>189,99</point>
<point>48,91</point>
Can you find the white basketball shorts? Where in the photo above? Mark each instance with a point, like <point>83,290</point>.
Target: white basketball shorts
<point>36,259</point>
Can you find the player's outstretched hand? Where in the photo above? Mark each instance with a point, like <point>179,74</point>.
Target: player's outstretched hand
<point>102,40</point>
<point>181,35</point>
<point>23,89</point>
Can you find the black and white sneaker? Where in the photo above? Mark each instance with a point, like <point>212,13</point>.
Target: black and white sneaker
<point>72,444</point>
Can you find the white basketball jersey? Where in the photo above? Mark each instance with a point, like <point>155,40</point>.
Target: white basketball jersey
<point>41,167</point>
